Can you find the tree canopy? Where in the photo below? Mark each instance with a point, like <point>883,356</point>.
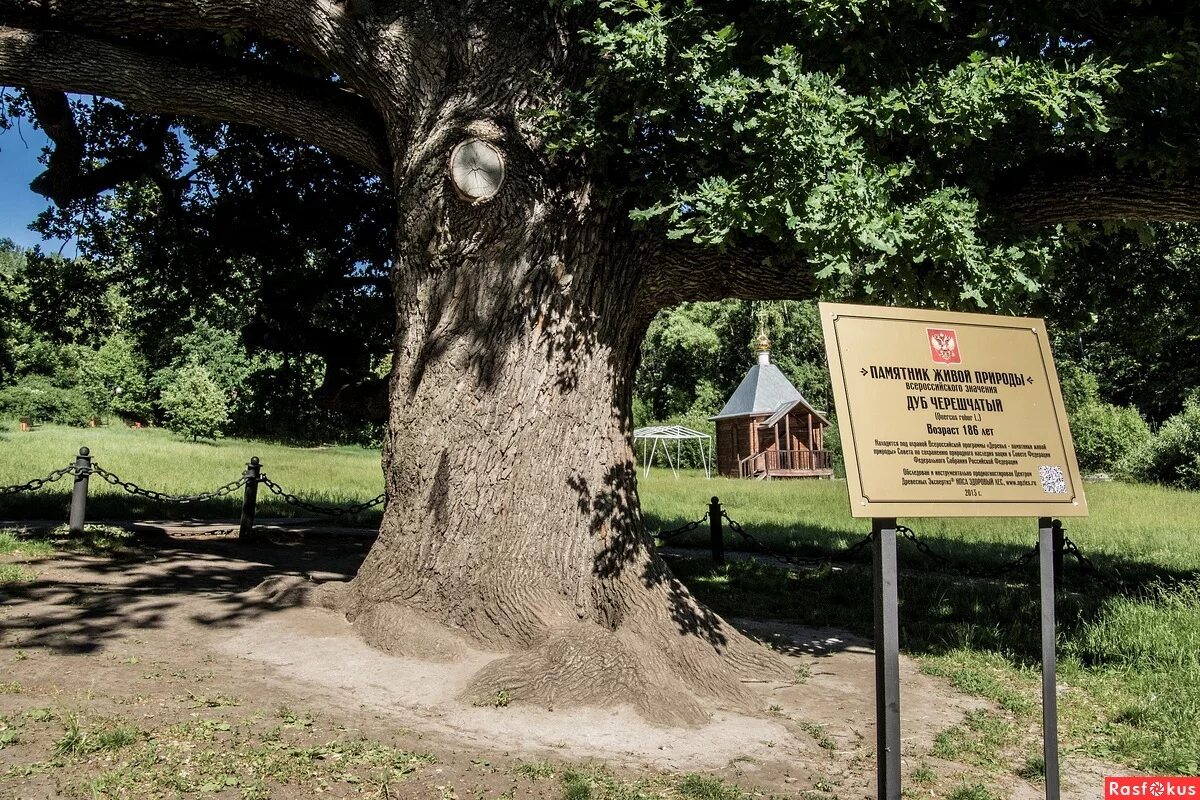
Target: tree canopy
<point>907,151</point>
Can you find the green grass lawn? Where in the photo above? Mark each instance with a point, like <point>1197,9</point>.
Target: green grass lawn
<point>1130,656</point>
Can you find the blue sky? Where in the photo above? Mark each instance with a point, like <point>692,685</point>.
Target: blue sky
<point>19,151</point>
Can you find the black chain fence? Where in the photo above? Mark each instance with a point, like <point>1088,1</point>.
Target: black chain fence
<point>758,545</point>
<point>333,511</point>
<point>37,483</point>
<point>163,497</point>
<point>84,467</point>
<point>253,477</point>
<point>937,561</point>
<point>666,536</point>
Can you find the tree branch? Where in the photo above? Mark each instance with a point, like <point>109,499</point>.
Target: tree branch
<point>1103,196</point>
<point>328,31</point>
<point>65,179</point>
<point>684,271</point>
<point>312,111</point>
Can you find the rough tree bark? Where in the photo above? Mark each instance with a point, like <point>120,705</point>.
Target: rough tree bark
<point>513,523</point>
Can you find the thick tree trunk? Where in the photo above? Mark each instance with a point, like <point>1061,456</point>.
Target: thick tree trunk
<point>513,524</point>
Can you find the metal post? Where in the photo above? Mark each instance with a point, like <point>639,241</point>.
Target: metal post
<point>887,660</point>
<point>83,469</point>
<point>714,530</point>
<point>253,469</point>
<point>1060,549</point>
<point>1046,542</point>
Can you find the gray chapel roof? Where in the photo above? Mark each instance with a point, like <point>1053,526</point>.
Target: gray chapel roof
<point>762,391</point>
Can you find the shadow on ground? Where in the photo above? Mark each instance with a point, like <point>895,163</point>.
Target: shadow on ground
<point>80,601</point>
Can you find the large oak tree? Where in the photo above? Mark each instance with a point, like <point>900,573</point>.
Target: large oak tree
<point>652,153</point>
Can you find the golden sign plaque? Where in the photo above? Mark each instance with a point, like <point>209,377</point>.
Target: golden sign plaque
<point>949,415</point>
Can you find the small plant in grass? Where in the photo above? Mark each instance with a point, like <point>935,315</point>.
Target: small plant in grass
<point>576,786</point>
<point>923,775</point>
<point>701,787</point>
<point>79,741</point>
<point>10,732</point>
<point>12,573</point>
<point>294,719</point>
<point>13,544</point>
<point>215,701</point>
<point>819,733</point>
<point>97,539</point>
<point>974,792</point>
<point>538,770</point>
<point>1034,768</point>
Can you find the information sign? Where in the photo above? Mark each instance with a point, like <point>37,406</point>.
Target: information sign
<point>949,415</point>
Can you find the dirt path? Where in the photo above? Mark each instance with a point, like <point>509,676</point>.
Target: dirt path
<point>174,631</point>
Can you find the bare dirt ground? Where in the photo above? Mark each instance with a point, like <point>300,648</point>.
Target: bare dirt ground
<point>163,671</point>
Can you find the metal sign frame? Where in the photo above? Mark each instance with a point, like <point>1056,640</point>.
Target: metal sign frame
<point>865,343</point>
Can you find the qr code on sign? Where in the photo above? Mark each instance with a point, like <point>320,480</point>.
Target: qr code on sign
<point>1052,480</point>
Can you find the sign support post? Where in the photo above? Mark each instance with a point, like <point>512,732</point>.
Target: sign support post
<point>887,659</point>
<point>1046,531</point>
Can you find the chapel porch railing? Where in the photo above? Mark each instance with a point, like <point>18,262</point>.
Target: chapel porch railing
<point>767,462</point>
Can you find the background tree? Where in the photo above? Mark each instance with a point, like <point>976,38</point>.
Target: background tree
<point>194,404</point>
<point>653,154</point>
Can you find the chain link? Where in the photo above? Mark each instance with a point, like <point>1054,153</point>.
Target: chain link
<point>1114,582</point>
<point>163,497</point>
<point>799,561</point>
<point>691,526</point>
<point>37,483</point>
<point>332,511</point>
<point>946,564</point>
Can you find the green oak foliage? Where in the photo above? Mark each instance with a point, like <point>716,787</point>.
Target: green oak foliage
<point>870,139</point>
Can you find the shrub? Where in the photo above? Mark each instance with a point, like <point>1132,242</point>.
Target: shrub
<point>1105,435</point>
<point>194,405</point>
<point>1079,387</point>
<point>1172,455</point>
<point>37,397</point>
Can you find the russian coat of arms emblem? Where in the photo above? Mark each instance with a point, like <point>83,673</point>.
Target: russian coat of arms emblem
<point>943,346</point>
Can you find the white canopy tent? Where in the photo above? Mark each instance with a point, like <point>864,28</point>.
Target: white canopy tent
<point>666,434</point>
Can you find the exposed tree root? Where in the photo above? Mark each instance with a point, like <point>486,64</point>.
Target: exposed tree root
<point>672,662</point>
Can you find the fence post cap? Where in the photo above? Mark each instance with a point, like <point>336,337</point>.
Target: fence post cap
<point>83,451</point>
<point>254,462</point>
<point>716,501</point>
